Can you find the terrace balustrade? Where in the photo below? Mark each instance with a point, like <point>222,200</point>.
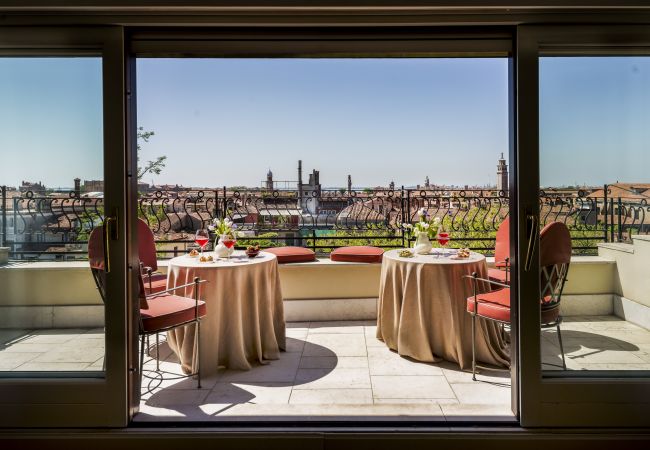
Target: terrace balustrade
<point>33,226</point>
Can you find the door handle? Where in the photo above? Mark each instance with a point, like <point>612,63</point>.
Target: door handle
<point>533,232</point>
<point>110,232</point>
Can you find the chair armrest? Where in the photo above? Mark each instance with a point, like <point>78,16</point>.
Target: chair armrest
<point>486,280</point>
<point>166,291</point>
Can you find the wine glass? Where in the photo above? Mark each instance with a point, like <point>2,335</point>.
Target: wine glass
<point>201,238</point>
<point>229,241</point>
<point>443,239</point>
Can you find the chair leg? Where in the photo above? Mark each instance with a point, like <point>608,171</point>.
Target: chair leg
<point>559,337</point>
<point>474,347</point>
<point>157,353</point>
<point>141,358</point>
<point>198,353</point>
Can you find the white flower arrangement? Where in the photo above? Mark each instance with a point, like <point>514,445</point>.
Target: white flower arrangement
<point>424,225</point>
<point>225,226</point>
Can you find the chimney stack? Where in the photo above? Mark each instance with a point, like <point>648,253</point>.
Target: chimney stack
<point>349,183</point>
<point>77,187</point>
<point>300,179</point>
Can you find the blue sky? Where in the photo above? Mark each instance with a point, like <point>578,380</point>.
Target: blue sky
<point>376,119</point>
<point>228,121</point>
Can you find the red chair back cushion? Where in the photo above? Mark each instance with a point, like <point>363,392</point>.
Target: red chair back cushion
<point>146,246</point>
<point>502,245</point>
<point>358,253</point>
<point>554,245</point>
<point>96,248</point>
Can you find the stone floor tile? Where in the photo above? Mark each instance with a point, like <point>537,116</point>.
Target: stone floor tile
<point>389,365</point>
<point>337,378</point>
<point>256,393</point>
<point>411,386</point>
<point>331,362</point>
<point>13,360</point>
<point>321,344</point>
<point>282,370</point>
<point>330,396</point>
<point>337,327</point>
<point>482,392</point>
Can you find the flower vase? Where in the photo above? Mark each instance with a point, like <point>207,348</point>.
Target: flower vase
<point>422,244</point>
<point>220,249</point>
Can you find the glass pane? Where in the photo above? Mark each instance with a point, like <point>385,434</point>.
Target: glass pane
<point>51,176</point>
<point>594,160</point>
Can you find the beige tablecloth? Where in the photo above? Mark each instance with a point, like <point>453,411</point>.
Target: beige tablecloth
<point>245,316</point>
<point>423,314</point>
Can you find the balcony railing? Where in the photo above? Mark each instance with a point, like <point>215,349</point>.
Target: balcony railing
<point>33,226</point>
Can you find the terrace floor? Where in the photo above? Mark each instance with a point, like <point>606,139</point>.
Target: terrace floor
<point>335,370</point>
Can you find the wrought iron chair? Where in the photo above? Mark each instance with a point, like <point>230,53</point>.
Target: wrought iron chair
<point>501,271</point>
<point>555,257</point>
<point>155,281</point>
<point>158,312</point>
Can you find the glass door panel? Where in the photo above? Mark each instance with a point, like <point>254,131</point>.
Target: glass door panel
<point>52,181</point>
<point>594,138</point>
<point>62,343</point>
<point>583,136</point>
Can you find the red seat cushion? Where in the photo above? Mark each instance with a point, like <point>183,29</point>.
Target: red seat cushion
<point>500,276</point>
<point>292,254</point>
<point>158,283</point>
<point>358,253</point>
<point>493,305</point>
<point>168,310</point>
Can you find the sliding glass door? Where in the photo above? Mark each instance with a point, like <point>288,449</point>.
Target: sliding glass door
<point>583,223</point>
<point>62,342</point>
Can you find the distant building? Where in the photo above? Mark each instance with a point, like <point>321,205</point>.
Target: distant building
<point>36,188</point>
<point>269,180</point>
<point>427,183</point>
<point>93,186</point>
<point>502,175</point>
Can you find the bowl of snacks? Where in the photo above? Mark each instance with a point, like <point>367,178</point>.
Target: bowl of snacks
<point>462,253</point>
<point>406,254</point>
<point>193,253</point>
<point>206,258</point>
<point>252,251</point>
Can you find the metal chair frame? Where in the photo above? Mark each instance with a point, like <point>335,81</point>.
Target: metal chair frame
<point>558,273</point>
<point>197,320</point>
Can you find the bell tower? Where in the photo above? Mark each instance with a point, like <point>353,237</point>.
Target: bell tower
<point>502,175</point>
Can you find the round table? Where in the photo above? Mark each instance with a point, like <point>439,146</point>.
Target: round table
<point>423,310</point>
<point>245,317</point>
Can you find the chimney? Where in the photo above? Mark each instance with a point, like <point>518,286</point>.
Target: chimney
<point>77,187</point>
<point>349,183</point>
<point>300,179</point>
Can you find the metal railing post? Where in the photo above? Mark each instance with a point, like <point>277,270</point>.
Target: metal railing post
<point>611,212</point>
<point>224,213</point>
<point>605,217</point>
<point>620,225</point>
<point>4,216</point>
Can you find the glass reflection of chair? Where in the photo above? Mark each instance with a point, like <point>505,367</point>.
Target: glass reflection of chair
<point>501,271</point>
<point>555,257</point>
<point>154,280</point>
<point>158,312</point>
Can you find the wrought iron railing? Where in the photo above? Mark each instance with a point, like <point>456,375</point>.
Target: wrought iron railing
<point>58,225</point>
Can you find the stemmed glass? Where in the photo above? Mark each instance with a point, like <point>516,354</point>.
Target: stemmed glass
<point>229,241</point>
<point>202,238</point>
<point>443,239</point>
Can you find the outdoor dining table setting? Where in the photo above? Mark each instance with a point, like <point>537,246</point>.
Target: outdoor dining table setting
<point>422,309</point>
<point>245,321</point>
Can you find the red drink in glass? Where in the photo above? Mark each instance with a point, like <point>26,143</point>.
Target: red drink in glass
<point>201,241</point>
<point>443,238</point>
<point>229,242</point>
